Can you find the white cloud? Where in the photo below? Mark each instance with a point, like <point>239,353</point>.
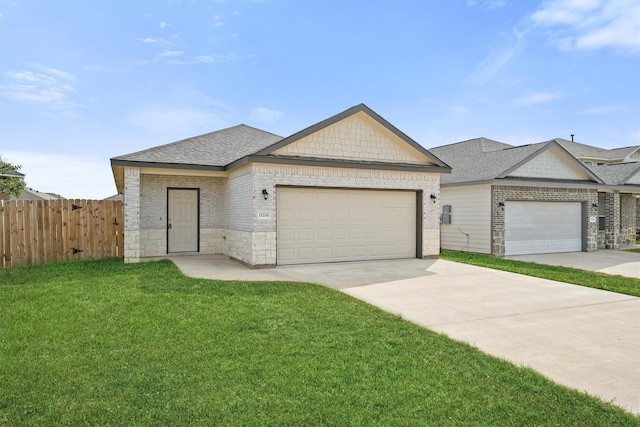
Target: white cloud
<point>488,4</point>
<point>163,24</point>
<point>592,24</point>
<point>602,109</point>
<point>205,59</point>
<point>44,85</point>
<point>71,176</point>
<point>265,115</point>
<point>218,21</point>
<point>459,109</point>
<point>498,57</point>
<point>533,98</point>
<point>149,40</point>
<point>186,120</point>
<point>171,53</point>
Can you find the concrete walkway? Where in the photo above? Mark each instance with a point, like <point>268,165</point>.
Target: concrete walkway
<point>619,263</point>
<point>580,337</point>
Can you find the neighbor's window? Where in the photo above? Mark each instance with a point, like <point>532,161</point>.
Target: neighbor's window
<point>588,163</point>
<point>601,210</point>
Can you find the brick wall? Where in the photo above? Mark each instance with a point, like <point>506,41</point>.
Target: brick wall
<point>235,218</point>
<point>153,212</point>
<point>503,193</point>
<point>153,198</point>
<point>131,215</point>
<point>263,242</point>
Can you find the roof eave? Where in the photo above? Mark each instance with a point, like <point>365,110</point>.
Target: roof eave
<point>161,165</point>
<point>531,182</point>
<point>332,163</point>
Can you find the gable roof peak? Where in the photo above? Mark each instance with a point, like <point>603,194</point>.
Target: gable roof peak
<point>476,145</point>
<point>360,108</point>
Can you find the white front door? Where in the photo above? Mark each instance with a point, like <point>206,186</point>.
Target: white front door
<point>182,221</point>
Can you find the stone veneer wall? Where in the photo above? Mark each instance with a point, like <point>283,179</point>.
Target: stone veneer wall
<point>503,193</point>
<point>628,218</point>
<point>612,220</point>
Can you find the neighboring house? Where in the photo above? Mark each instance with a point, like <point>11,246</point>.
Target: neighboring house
<point>539,198</point>
<point>594,156</point>
<point>31,194</point>
<point>352,187</point>
<point>12,174</point>
<point>115,197</point>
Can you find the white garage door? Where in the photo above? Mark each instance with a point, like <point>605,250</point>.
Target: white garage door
<point>329,225</point>
<point>542,227</point>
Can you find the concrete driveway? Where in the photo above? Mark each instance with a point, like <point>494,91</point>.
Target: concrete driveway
<point>604,261</point>
<point>580,337</point>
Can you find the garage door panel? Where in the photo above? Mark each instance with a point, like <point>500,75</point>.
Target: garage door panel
<point>287,234</point>
<point>324,215</point>
<point>542,227</point>
<point>341,234</point>
<point>305,234</point>
<point>342,225</point>
<point>305,215</point>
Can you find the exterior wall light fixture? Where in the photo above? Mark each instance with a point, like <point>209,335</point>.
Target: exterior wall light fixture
<point>265,193</point>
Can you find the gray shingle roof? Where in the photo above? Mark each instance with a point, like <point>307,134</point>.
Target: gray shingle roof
<point>616,174</point>
<point>481,159</point>
<point>218,148</point>
<point>580,151</point>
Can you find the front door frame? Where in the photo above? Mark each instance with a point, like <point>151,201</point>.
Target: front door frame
<point>197,190</point>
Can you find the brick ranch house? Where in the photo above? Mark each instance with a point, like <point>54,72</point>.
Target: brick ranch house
<point>554,196</point>
<point>351,187</point>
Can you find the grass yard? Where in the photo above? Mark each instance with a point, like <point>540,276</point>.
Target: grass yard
<point>104,343</point>
<point>622,285</point>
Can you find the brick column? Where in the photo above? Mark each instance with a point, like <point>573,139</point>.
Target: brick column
<point>131,215</point>
<point>612,220</point>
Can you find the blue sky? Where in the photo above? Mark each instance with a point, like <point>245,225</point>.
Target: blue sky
<point>84,81</point>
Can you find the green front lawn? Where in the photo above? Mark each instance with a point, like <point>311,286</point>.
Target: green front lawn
<point>622,285</point>
<point>104,343</point>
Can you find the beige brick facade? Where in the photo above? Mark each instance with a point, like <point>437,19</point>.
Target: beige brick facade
<point>235,218</point>
<point>356,149</point>
<point>132,215</point>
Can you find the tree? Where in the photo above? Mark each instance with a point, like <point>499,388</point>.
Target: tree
<point>11,183</point>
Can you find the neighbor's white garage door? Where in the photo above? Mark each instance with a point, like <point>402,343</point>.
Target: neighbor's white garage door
<point>329,225</point>
<point>542,227</point>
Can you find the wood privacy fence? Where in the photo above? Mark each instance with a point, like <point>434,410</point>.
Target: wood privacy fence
<point>38,231</point>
